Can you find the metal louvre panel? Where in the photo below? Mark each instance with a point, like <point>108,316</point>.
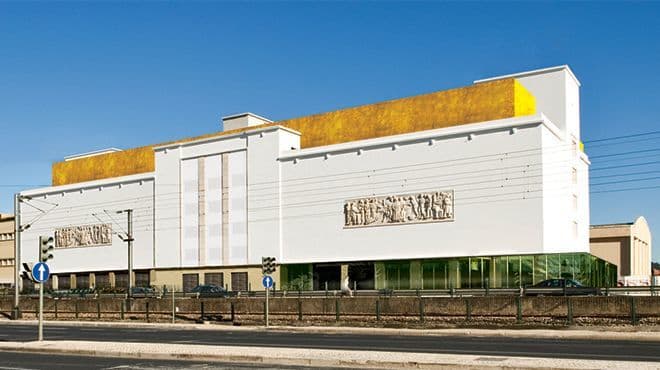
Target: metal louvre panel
<point>190,281</point>
<point>239,281</point>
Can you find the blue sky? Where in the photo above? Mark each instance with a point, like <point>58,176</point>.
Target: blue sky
<point>76,76</point>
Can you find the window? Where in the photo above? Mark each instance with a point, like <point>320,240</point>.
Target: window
<point>214,278</point>
<point>102,280</point>
<point>575,202</point>
<point>239,281</point>
<point>575,229</point>
<point>121,280</point>
<point>82,281</point>
<point>142,279</point>
<point>63,282</point>
<point>189,282</point>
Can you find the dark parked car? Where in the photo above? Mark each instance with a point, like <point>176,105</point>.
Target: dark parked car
<point>143,292</point>
<point>560,287</point>
<point>210,291</point>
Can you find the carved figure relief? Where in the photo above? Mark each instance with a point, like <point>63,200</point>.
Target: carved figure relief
<point>83,236</point>
<point>396,209</point>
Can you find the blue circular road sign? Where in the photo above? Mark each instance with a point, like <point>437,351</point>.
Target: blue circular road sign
<point>267,281</point>
<point>40,272</point>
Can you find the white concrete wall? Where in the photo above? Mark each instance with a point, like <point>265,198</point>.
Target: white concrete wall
<point>85,204</point>
<point>264,192</point>
<point>498,201</point>
<point>167,208</point>
<point>253,171</point>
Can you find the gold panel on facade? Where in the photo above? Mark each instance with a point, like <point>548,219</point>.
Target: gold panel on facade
<point>126,162</point>
<point>477,103</point>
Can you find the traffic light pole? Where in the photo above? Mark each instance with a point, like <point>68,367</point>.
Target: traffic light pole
<point>267,289</point>
<point>41,311</point>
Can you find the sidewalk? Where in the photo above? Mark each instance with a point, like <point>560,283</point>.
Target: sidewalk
<point>311,357</point>
<point>632,335</point>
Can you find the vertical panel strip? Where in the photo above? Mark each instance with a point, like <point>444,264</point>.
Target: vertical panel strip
<point>201,209</point>
<point>225,209</point>
<point>213,209</point>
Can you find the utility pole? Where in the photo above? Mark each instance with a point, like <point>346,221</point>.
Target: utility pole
<point>129,239</point>
<point>18,228</point>
<point>16,314</point>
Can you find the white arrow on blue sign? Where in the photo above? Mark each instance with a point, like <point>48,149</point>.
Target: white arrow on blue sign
<point>40,272</point>
<point>267,281</point>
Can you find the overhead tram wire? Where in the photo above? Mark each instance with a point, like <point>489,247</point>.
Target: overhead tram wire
<point>458,201</point>
<point>148,207</point>
<point>627,165</point>
<point>606,140</point>
<point>565,146</point>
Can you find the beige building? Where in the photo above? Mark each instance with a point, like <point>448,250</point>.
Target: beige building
<point>6,251</point>
<point>628,245</point>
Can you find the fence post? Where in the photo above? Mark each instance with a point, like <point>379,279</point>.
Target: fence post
<point>377,309</point>
<point>122,309</point>
<point>487,286</point>
<point>173,308</point>
<point>652,285</point>
<point>336,309</point>
<point>98,310</point>
<point>77,309</point>
<point>299,310</point>
<point>55,310</point>
<point>519,310</point>
<point>146,314</point>
<point>326,288</point>
<point>421,309</point>
<point>201,310</point>
<point>633,311</point>
<point>569,304</point>
<point>468,309</point>
<point>233,312</point>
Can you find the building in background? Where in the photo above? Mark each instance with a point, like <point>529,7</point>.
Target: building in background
<point>6,251</point>
<point>626,245</point>
<point>483,185</point>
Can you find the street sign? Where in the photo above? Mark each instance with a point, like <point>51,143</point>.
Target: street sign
<point>40,272</point>
<point>267,281</point>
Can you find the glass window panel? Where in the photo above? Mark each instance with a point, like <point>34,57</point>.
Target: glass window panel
<point>553,266</point>
<point>464,273</point>
<point>540,268</point>
<point>526,270</point>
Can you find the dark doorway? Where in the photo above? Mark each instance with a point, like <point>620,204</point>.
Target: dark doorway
<point>362,273</point>
<point>327,273</point>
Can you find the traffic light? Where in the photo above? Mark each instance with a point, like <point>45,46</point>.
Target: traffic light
<point>27,271</point>
<point>46,246</point>
<point>268,265</point>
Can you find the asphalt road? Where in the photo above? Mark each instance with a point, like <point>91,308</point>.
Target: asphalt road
<point>492,346</point>
<point>25,361</point>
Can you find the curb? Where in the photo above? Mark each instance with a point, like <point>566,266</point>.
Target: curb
<point>568,334</point>
<point>309,357</point>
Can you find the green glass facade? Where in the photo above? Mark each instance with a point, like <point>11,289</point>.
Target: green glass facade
<point>473,272</point>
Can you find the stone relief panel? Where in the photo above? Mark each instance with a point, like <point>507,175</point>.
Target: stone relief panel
<point>433,206</point>
<point>83,236</point>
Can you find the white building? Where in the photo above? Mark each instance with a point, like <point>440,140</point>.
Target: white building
<point>485,184</point>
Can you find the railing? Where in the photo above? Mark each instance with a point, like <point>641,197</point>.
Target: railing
<point>463,292</point>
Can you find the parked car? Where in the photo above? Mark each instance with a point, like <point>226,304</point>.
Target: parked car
<point>210,291</point>
<point>143,292</point>
<point>560,287</point>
